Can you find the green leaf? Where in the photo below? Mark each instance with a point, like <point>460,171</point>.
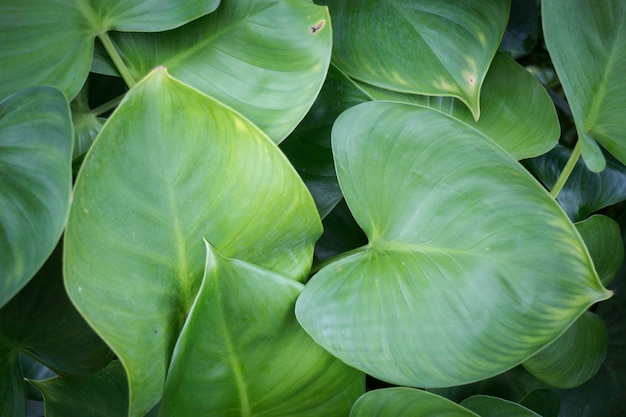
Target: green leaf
<point>544,401</point>
<point>87,124</point>
<point>35,179</point>
<point>170,167</point>
<point>439,48</point>
<point>516,111</point>
<point>47,42</point>
<point>603,238</point>
<point>587,43</point>
<point>264,59</point>
<point>468,257</point>
<point>101,394</point>
<point>486,406</point>
<point>575,356</point>
<point>406,402</point>
<point>522,30</point>
<point>40,321</point>
<point>584,192</point>
<point>242,352</point>
<point>308,147</point>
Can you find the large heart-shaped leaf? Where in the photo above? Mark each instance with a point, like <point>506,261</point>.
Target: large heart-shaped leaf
<point>47,42</point>
<point>587,43</point>
<point>439,48</point>
<point>406,402</point>
<point>471,266</point>
<point>40,321</point>
<point>170,167</point>
<point>516,111</point>
<point>36,181</point>
<point>265,58</point>
<point>242,352</point>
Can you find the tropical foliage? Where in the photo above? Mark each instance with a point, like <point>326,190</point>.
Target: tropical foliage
<point>285,208</point>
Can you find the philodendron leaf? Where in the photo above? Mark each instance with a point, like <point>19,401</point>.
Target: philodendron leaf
<point>603,238</point>
<point>242,352</point>
<point>575,356</point>
<point>48,42</point>
<point>439,48</point>
<point>471,266</point>
<point>587,43</point>
<point>170,167</point>
<point>406,402</point>
<point>516,111</point>
<point>265,58</point>
<point>584,192</point>
<point>486,406</point>
<point>36,181</point>
<point>101,394</point>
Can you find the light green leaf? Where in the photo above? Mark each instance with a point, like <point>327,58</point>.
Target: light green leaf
<point>575,356</point>
<point>36,181</point>
<point>267,59</point>
<point>406,402</point>
<point>587,43</point>
<point>242,352</point>
<point>516,111</point>
<point>50,42</point>
<point>468,258</point>
<point>439,48</point>
<point>486,406</point>
<point>604,240</point>
<point>101,394</point>
<point>170,167</point>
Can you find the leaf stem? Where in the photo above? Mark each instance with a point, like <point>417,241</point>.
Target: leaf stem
<point>109,105</point>
<point>117,59</point>
<point>567,171</point>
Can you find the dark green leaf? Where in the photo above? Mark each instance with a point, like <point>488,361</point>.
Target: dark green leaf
<point>522,30</point>
<point>604,241</point>
<point>486,406</point>
<point>544,401</point>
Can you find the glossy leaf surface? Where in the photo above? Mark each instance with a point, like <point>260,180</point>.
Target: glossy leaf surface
<point>460,234</point>
<point>35,179</point>
<point>603,239</point>
<point>48,42</point>
<point>264,58</point>
<point>516,112</point>
<point>101,394</point>
<point>486,406</point>
<point>171,167</point>
<point>575,356</point>
<point>242,352</point>
<point>440,48</point>
<point>587,43</point>
<point>406,402</point>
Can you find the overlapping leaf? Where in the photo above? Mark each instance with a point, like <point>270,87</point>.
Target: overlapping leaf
<point>35,179</point>
<point>587,43</point>
<point>48,42</point>
<point>242,352</point>
<point>516,112</point>
<point>486,406</point>
<point>170,167</point>
<point>603,238</point>
<point>265,58</point>
<point>468,258</point>
<point>439,48</point>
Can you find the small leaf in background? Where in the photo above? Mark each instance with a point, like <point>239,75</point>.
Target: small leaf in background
<point>87,125</point>
<point>47,42</point>
<point>486,406</point>
<point>575,356</point>
<point>100,394</point>
<point>40,321</point>
<point>587,43</point>
<point>585,192</point>
<point>308,147</point>
<point>603,239</point>
<point>170,167</point>
<point>406,402</point>
<point>36,181</point>
<point>522,29</point>
<point>267,59</point>
<point>242,352</point>
<point>439,48</point>
<point>516,111</point>
<point>544,401</point>
<point>460,234</point>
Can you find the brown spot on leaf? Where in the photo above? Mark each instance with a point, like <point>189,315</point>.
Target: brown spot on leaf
<point>315,28</point>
